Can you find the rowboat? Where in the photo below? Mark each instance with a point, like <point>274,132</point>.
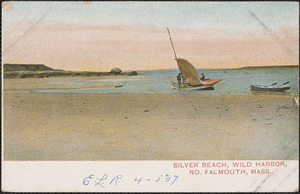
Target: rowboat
<point>268,88</point>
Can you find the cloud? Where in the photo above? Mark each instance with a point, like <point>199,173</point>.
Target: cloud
<point>101,48</point>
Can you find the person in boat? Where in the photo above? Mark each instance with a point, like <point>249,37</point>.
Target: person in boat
<point>202,76</point>
<point>179,78</point>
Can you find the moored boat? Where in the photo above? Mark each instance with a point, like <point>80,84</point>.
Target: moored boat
<point>269,89</point>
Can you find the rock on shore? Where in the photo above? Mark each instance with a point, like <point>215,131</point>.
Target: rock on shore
<point>115,71</point>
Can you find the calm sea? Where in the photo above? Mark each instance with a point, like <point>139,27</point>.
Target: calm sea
<point>235,82</point>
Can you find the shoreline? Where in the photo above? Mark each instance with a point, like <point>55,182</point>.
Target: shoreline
<point>58,73</point>
<point>65,83</point>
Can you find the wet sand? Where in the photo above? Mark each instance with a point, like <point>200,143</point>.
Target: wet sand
<point>146,126</point>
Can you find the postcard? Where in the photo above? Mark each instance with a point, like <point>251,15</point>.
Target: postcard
<point>140,96</point>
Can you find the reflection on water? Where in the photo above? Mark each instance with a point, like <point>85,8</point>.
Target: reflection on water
<point>236,82</point>
<point>114,80</point>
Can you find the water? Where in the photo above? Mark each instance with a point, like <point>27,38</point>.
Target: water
<point>235,82</point>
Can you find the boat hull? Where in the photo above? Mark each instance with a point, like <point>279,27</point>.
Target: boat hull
<point>269,89</point>
<point>210,82</point>
<point>205,85</point>
<point>184,86</point>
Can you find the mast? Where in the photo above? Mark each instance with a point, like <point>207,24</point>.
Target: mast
<point>172,43</point>
<point>174,52</point>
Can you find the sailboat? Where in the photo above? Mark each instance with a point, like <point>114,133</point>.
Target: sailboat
<point>190,77</point>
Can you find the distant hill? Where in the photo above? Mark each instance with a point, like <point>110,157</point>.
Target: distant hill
<point>269,67</point>
<point>27,67</point>
<point>41,71</point>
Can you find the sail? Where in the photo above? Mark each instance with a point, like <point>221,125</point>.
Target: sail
<point>188,72</point>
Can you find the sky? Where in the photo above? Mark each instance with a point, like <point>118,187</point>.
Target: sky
<point>98,36</point>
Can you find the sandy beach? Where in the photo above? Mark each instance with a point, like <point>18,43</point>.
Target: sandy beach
<point>145,126</point>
